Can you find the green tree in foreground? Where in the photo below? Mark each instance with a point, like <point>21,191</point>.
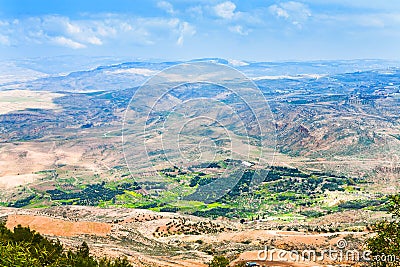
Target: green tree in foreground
<point>385,245</point>
<point>219,261</point>
<point>26,248</point>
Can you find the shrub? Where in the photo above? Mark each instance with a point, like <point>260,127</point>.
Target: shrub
<point>26,248</point>
<point>219,261</point>
<point>386,242</point>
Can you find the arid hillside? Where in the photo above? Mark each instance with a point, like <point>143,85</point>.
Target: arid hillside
<point>165,239</point>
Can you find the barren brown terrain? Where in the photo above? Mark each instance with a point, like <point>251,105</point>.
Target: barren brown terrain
<point>131,233</point>
<point>15,100</point>
<point>57,227</point>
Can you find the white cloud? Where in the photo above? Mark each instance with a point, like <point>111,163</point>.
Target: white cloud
<point>166,6</point>
<point>378,6</point>
<point>195,11</point>
<point>185,30</point>
<point>295,12</point>
<point>297,9</point>
<point>225,10</point>
<point>88,32</point>
<point>4,40</point>
<point>180,40</point>
<point>368,20</point>
<point>73,29</point>
<point>61,40</point>
<point>97,30</point>
<point>278,11</point>
<point>239,29</point>
<point>4,23</point>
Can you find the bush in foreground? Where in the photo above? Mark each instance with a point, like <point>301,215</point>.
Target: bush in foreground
<point>26,248</point>
<point>385,245</point>
<point>219,261</point>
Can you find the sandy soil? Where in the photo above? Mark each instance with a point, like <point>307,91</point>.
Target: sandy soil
<point>22,99</point>
<point>57,227</point>
<point>11,181</point>
<point>20,162</point>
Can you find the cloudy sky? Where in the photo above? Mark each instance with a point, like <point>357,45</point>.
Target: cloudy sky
<point>183,29</point>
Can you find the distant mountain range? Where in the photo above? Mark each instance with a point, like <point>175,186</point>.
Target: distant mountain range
<point>76,74</point>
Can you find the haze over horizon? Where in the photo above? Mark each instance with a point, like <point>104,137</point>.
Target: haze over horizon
<point>177,29</point>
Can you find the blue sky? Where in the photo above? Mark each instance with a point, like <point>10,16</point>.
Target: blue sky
<point>265,30</point>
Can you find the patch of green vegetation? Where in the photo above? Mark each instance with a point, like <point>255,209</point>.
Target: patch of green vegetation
<point>70,201</point>
<point>214,212</point>
<point>66,180</point>
<point>215,205</point>
<point>282,191</point>
<point>133,194</point>
<point>312,213</point>
<point>45,172</point>
<point>92,194</point>
<point>349,189</point>
<point>200,180</point>
<point>363,203</point>
<point>331,209</point>
<point>22,202</point>
<point>219,261</point>
<point>186,203</point>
